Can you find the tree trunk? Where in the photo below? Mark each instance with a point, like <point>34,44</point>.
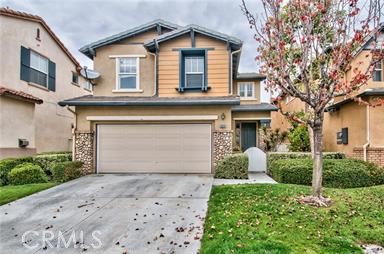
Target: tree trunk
<point>311,141</point>
<point>317,176</point>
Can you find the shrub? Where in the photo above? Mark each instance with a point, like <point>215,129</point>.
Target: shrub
<point>233,167</point>
<point>65,171</point>
<point>46,161</point>
<point>347,173</point>
<point>272,138</point>
<point>273,156</point>
<point>299,139</point>
<point>27,173</point>
<point>6,165</point>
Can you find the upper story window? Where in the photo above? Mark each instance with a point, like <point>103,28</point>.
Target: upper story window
<point>193,70</point>
<point>39,69</point>
<point>378,72</point>
<point>127,73</point>
<point>75,78</point>
<point>87,85</point>
<point>246,90</point>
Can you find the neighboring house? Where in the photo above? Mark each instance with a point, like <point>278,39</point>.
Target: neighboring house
<point>169,99</point>
<point>36,71</point>
<point>349,127</point>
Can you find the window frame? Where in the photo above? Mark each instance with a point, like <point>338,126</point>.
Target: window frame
<point>192,52</point>
<point>32,52</point>
<point>380,70</point>
<point>74,74</point>
<point>192,72</point>
<point>246,97</point>
<point>84,86</point>
<point>118,88</point>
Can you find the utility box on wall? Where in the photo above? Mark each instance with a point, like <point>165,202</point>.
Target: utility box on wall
<point>342,136</point>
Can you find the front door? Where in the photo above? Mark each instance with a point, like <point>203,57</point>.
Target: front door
<point>248,135</point>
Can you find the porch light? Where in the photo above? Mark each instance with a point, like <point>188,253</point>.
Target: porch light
<point>222,116</point>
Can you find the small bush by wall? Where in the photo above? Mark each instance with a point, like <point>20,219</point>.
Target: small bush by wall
<point>273,156</point>
<point>27,173</point>
<point>65,171</point>
<point>46,161</point>
<point>346,173</point>
<point>232,167</point>
<point>6,165</point>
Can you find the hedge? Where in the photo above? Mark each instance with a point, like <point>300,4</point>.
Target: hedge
<point>65,171</point>
<point>347,173</point>
<point>273,156</point>
<point>45,161</point>
<point>27,173</point>
<point>233,167</point>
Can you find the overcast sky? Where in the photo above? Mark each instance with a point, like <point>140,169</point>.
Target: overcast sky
<point>79,22</point>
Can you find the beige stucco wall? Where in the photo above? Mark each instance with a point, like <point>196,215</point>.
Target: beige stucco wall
<point>279,121</point>
<point>52,123</point>
<point>85,125</point>
<point>16,113</point>
<point>106,65</point>
<point>353,116</point>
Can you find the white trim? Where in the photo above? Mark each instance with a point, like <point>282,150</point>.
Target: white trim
<point>97,149</point>
<point>251,118</point>
<point>123,56</point>
<point>117,72</point>
<point>152,118</point>
<point>128,91</point>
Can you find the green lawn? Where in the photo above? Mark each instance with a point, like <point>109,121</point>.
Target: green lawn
<point>12,192</point>
<point>268,219</point>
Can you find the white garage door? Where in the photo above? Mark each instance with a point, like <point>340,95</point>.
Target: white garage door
<point>154,148</point>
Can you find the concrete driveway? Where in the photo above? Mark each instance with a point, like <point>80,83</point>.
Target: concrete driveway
<point>143,213</point>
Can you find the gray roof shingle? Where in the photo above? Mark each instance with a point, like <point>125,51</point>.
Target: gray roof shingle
<point>90,100</point>
<point>254,107</point>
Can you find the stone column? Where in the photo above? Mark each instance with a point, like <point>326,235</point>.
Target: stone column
<point>222,145</point>
<point>84,150</point>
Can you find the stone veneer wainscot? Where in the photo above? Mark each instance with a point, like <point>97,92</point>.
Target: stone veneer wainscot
<point>84,147</point>
<point>222,145</point>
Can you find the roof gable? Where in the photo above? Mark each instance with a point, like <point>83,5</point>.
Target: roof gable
<point>34,18</point>
<point>233,41</point>
<point>88,49</point>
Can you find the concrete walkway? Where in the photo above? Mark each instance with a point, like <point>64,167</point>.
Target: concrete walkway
<point>254,177</point>
<point>109,214</point>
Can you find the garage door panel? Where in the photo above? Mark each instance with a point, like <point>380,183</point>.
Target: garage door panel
<point>158,148</point>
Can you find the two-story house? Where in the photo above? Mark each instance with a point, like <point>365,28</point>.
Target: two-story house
<point>353,128</point>
<point>169,99</point>
<point>36,72</point>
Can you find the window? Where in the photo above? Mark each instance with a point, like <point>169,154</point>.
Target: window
<point>38,34</point>
<point>127,73</point>
<point>87,85</point>
<point>194,71</point>
<point>75,78</point>
<point>246,90</point>
<point>39,69</point>
<point>378,72</point>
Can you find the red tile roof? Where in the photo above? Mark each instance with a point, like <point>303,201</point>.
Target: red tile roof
<point>19,95</point>
<point>26,16</point>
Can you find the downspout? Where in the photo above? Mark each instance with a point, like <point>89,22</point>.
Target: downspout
<point>368,125</point>
<point>156,66</point>
<point>73,132</point>
<point>231,70</point>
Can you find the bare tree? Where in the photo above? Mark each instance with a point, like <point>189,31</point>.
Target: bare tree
<point>306,47</point>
